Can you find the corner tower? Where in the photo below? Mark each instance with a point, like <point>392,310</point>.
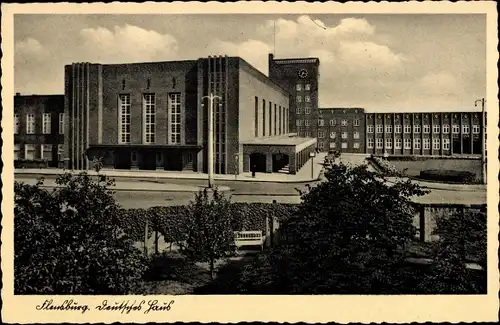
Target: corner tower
<point>300,78</point>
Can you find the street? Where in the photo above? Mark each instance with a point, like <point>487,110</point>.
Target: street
<point>243,191</point>
<point>150,199</point>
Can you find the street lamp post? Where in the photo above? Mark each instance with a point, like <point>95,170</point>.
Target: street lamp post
<point>483,137</point>
<point>312,155</point>
<point>210,155</point>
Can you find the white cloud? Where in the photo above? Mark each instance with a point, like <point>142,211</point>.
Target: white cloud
<point>348,52</point>
<point>253,51</point>
<point>30,49</point>
<point>126,44</point>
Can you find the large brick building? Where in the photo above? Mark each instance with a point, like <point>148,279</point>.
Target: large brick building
<point>431,133</point>
<point>341,129</point>
<point>39,128</point>
<point>154,116</point>
<point>300,78</point>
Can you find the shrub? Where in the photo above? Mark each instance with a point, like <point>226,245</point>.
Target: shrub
<point>455,176</point>
<point>68,241</point>
<point>386,167</point>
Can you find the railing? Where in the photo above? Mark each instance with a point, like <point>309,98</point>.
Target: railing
<point>249,238</point>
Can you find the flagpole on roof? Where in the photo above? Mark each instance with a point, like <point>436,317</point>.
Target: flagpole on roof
<point>274,38</point>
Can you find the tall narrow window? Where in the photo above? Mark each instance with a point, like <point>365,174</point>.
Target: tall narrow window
<point>256,117</point>
<point>279,120</point>
<point>149,109</point>
<point>275,120</point>
<point>29,151</point>
<point>436,144</point>
<point>61,123</point>
<point>30,124</point>
<point>17,152</point>
<point>270,118</point>
<point>46,152</point>
<point>124,118</point>
<point>263,117</point>
<point>175,117</point>
<point>16,123</point>
<point>46,123</point>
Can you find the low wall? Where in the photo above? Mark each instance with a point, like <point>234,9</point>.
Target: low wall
<point>413,167</point>
<point>427,214</point>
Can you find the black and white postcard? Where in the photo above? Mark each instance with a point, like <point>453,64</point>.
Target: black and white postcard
<point>250,161</point>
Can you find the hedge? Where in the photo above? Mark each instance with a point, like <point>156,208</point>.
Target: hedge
<point>167,219</point>
<point>455,176</point>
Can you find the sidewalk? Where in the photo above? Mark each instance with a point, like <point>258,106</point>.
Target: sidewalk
<point>303,175</point>
<point>130,186</point>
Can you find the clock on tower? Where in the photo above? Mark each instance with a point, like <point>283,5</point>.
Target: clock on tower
<point>302,73</point>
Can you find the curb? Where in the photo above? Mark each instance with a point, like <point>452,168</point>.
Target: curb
<point>185,178</point>
<point>147,190</point>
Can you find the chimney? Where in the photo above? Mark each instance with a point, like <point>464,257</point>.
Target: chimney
<point>270,63</point>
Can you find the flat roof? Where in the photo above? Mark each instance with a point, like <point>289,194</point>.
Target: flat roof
<point>282,140</point>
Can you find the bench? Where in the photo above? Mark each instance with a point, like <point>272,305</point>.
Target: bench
<point>249,238</point>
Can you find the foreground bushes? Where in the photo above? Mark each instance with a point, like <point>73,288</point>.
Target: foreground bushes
<point>67,240</point>
<point>454,176</point>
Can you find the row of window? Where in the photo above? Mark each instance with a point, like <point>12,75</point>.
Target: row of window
<point>333,145</point>
<point>307,99</point>
<point>149,118</point>
<point>476,129</point>
<point>30,152</point>
<point>321,122</point>
<point>417,143</point>
<point>307,87</point>
<point>30,123</point>
<point>333,135</point>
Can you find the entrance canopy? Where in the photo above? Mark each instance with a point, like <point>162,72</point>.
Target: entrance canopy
<point>286,153</point>
<point>290,142</point>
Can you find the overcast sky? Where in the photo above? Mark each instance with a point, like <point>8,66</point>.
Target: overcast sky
<point>380,62</point>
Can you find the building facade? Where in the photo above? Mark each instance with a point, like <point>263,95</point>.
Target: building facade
<point>39,128</point>
<point>453,133</point>
<point>154,116</point>
<point>341,129</point>
<point>299,77</point>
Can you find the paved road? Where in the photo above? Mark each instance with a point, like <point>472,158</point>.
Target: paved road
<point>264,192</point>
<point>150,199</point>
<point>237,187</point>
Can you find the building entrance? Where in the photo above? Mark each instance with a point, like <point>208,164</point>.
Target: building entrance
<point>148,160</point>
<point>258,162</point>
<point>280,160</point>
<point>122,159</point>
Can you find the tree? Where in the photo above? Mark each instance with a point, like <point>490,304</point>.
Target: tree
<point>462,240</point>
<point>348,237</point>
<point>207,234</point>
<point>66,240</point>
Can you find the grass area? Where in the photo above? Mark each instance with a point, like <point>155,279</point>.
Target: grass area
<point>172,274</point>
